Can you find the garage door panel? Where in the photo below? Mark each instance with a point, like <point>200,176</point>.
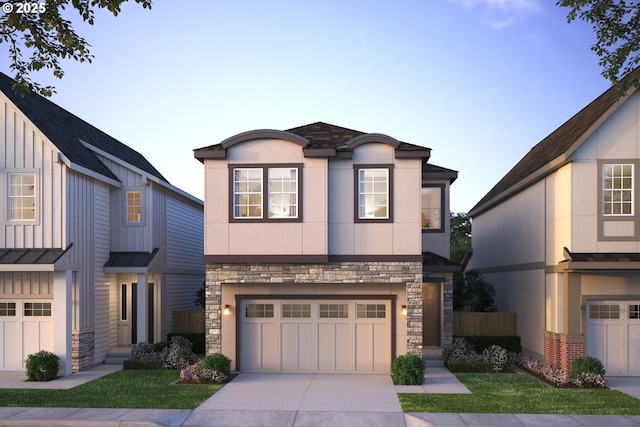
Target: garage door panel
<point>297,346</point>
<point>633,348</point>
<point>10,339</point>
<point>334,347</point>
<point>381,339</point>
<point>612,348</point>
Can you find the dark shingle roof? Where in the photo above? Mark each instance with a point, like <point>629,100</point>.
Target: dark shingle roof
<point>65,130</point>
<point>561,142</point>
<point>432,262</point>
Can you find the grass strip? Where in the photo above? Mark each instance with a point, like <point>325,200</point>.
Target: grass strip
<point>122,389</point>
<point>520,394</point>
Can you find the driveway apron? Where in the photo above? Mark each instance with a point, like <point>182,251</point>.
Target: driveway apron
<point>302,399</point>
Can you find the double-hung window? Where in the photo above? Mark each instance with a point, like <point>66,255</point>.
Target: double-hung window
<point>134,206</point>
<point>22,196</point>
<point>617,189</point>
<point>432,213</point>
<point>278,200</point>
<point>373,190</point>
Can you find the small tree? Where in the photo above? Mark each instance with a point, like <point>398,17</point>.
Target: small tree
<point>201,296</point>
<point>472,293</point>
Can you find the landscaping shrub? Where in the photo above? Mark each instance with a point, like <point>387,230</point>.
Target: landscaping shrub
<point>217,362</point>
<point>145,350</point>
<point>559,377</point>
<point>497,356</point>
<point>460,351</point>
<point>179,354</point>
<point>408,370</point>
<point>199,373</point>
<point>587,365</point>
<point>42,366</point>
<point>480,343</point>
<point>143,364</point>
<point>197,339</point>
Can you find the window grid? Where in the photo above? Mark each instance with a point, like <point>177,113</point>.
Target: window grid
<point>7,308</point>
<point>371,311</point>
<point>431,208</point>
<point>258,310</point>
<point>634,311</point>
<point>37,309</point>
<point>283,192</point>
<point>22,196</point>
<point>617,189</point>
<point>373,193</point>
<point>134,206</point>
<point>247,193</point>
<point>296,311</point>
<point>604,311</point>
<point>334,311</point>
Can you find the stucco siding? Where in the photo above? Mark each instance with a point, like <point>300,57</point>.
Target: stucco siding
<point>558,214</point>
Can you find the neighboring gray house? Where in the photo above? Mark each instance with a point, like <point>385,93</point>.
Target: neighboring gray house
<point>96,247</point>
<point>559,238</point>
<point>326,250</point>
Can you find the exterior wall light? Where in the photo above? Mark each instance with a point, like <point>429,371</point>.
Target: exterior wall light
<point>404,310</point>
<point>226,310</point>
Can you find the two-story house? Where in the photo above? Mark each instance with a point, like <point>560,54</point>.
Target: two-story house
<point>96,247</point>
<point>559,238</point>
<point>315,250</point>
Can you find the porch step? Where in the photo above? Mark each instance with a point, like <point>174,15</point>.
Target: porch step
<point>434,360</point>
<point>116,358</point>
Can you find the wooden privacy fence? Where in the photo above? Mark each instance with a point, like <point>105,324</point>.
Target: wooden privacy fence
<point>188,321</point>
<point>484,324</point>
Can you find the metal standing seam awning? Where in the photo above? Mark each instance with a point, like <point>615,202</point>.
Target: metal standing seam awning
<point>40,259</point>
<point>130,262</point>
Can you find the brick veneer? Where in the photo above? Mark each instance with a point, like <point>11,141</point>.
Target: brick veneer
<point>409,273</point>
<point>560,350</point>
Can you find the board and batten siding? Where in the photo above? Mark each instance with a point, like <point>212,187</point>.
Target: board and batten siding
<point>32,284</point>
<point>25,149</point>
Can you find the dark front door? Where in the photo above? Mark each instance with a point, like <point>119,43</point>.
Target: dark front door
<point>431,314</point>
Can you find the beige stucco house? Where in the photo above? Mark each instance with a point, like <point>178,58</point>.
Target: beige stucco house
<point>326,250</point>
<point>96,247</point>
<point>559,238</point>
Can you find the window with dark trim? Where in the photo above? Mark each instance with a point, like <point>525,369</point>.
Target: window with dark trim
<point>278,200</point>
<point>617,189</point>
<point>374,185</point>
<point>432,200</point>
<point>37,309</point>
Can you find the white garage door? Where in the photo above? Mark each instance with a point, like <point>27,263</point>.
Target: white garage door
<point>321,336</point>
<point>26,327</point>
<point>613,335</point>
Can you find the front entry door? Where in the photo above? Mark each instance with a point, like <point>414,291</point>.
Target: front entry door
<point>128,314</point>
<point>431,309</point>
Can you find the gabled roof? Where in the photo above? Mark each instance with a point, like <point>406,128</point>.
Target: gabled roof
<point>319,140</point>
<point>430,171</point>
<point>555,150</point>
<point>66,131</point>
<point>600,261</point>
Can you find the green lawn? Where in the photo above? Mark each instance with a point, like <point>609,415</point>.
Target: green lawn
<point>520,394</point>
<point>122,389</point>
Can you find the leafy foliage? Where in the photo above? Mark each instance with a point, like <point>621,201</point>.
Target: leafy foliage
<point>509,343</point>
<point>146,351</point>
<point>199,373</point>
<point>587,364</point>
<point>408,369</point>
<point>497,356</point>
<point>460,236</point>
<point>472,293</point>
<point>201,296</point>
<point>179,354</point>
<point>41,40</point>
<point>617,28</point>
<point>560,377</point>
<point>217,362</point>
<point>42,366</point>
<point>460,351</point>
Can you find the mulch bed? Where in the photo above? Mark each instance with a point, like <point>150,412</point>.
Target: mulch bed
<point>551,384</point>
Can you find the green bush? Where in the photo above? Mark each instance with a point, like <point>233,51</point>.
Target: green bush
<point>42,366</point>
<point>497,356</point>
<point>408,370</point>
<point>586,365</point>
<point>217,362</point>
<point>471,367</point>
<point>196,338</point>
<point>144,364</point>
<point>480,343</point>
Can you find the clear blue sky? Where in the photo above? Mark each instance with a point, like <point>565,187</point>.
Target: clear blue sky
<point>479,82</point>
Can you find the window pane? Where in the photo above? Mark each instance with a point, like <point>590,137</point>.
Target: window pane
<point>134,206</point>
<point>296,311</point>
<point>373,200</point>
<point>371,311</point>
<point>283,192</point>
<point>247,193</point>
<point>617,189</point>
<point>22,196</point>
<point>7,308</point>
<point>37,309</point>
<point>431,209</point>
<point>634,311</point>
<point>259,310</point>
<point>334,311</point>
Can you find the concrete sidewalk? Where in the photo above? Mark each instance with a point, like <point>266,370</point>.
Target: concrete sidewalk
<point>298,401</point>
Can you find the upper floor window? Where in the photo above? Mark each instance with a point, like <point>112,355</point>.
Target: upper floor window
<point>22,196</point>
<point>373,193</point>
<point>617,189</point>
<point>134,206</point>
<point>279,199</point>
<point>432,208</point>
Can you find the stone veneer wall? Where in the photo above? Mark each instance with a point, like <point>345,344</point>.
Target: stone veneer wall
<point>447,311</point>
<point>409,273</point>
<point>82,350</point>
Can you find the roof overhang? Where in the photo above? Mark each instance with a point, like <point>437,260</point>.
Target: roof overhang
<point>34,259</point>
<point>130,262</point>
<point>599,261</point>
